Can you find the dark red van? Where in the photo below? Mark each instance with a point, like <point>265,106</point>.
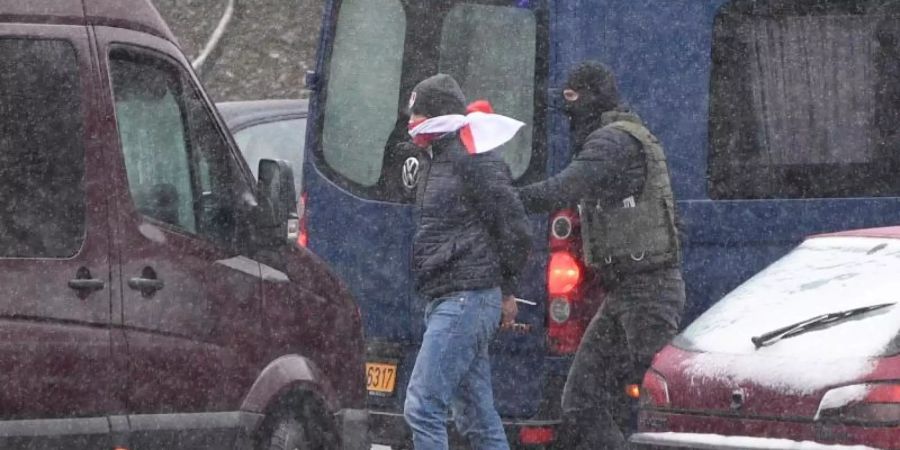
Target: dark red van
<point>151,291</point>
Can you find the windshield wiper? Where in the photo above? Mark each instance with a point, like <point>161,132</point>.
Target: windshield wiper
<point>812,324</point>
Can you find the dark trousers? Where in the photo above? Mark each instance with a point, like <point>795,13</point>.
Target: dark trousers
<point>639,316</point>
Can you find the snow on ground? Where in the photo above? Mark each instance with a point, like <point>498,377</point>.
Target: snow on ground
<point>715,441</point>
<point>823,275</point>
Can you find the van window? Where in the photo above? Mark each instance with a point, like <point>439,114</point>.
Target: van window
<point>42,196</point>
<point>363,87</point>
<point>154,142</point>
<point>383,48</point>
<point>502,72</point>
<point>179,167</point>
<point>804,100</point>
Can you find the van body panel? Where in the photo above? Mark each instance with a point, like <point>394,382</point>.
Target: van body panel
<point>57,353</point>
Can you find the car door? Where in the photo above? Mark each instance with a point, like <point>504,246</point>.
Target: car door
<point>55,355</point>
<point>190,300</point>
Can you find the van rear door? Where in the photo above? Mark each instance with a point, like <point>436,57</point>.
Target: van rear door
<point>360,179</point>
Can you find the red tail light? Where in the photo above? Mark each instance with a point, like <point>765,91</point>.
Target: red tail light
<point>536,435</point>
<point>303,236</point>
<point>567,313</point>
<point>883,393</point>
<point>565,336</point>
<point>563,273</point>
<point>654,391</point>
<point>874,403</point>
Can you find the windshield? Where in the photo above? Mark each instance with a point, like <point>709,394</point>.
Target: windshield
<point>822,276</point>
<point>282,139</point>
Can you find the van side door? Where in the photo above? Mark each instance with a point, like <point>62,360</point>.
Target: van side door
<point>190,300</point>
<point>55,355</point>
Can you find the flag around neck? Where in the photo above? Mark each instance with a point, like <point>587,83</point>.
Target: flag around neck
<point>486,131</point>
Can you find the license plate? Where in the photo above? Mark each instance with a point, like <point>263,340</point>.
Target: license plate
<point>381,378</point>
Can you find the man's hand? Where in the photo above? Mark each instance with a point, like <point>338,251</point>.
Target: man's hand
<point>508,312</point>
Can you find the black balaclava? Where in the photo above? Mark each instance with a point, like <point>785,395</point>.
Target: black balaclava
<point>597,94</point>
<point>438,95</point>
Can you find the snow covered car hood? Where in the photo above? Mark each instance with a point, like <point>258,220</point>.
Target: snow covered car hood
<point>823,275</point>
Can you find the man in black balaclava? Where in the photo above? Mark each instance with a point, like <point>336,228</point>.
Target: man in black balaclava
<point>619,181</point>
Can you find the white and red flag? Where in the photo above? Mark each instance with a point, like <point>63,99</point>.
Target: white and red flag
<point>480,130</point>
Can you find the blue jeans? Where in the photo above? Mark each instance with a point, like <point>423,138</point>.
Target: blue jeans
<point>453,372</point>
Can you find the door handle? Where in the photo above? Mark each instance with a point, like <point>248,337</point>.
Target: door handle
<point>147,286</point>
<point>147,283</point>
<point>84,284</point>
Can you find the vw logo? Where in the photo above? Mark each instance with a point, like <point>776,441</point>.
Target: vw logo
<point>410,172</point>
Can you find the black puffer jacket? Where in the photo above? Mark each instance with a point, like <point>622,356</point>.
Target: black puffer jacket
<point>472,230</point>
<point>608,166</point>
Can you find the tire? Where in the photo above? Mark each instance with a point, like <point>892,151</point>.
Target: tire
<point>288,433</point>
<point>297,422</point>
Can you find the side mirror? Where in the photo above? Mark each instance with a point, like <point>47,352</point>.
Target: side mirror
<point>278,201</point>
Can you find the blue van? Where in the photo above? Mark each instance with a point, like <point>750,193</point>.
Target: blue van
<point>777,117</point>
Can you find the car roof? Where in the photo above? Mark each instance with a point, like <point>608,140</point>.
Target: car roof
<point>138,15</point>
<point>882,232</point>
<point>242,114</point>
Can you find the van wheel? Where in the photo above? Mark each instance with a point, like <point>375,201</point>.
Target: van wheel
<point>288,433</point>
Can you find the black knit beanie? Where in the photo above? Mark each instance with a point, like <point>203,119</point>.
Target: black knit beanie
<point>439,95</point>
<point>596,86</point>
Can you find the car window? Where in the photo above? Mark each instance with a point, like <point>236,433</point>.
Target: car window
<point>363,92</point>
<point>178,164</point>
<point>283,139</point>
<point>502,72</point>
<point>823,275</point>
<point>42,197</point>
<point>784,117</point>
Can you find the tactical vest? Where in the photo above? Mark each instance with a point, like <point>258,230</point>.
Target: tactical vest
<point>639,234</point>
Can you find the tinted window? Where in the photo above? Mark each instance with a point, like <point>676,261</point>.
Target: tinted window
<point>42,200</point>
<point>491,50</point>
<point>274,140</point>
<point>804,100</point>
<point>178,164</point>
<point>363,87</point>
<point>502,72</point>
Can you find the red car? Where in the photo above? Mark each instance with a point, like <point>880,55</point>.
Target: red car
<point>806,354</point>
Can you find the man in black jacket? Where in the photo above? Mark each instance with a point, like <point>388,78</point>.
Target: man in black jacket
<point>471,242</point>
<point>619,180</point>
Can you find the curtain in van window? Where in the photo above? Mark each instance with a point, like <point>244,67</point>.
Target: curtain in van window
<point>491,50</point>
<point>804,100</point>
<point>812,80</point>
